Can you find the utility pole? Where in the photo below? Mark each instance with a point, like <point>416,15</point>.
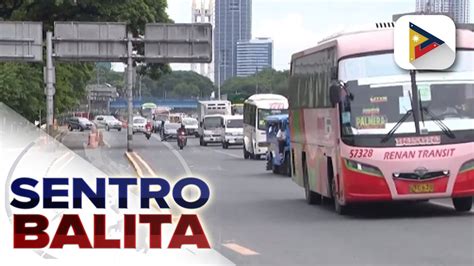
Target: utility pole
<point>219,81</point>
<point>49,80</point>
<point>140,86</point>
<point>129,93</point>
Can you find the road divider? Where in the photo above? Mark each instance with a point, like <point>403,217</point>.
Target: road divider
<point>133,161</point>
<point>145,164</point>
<point>95,138</point>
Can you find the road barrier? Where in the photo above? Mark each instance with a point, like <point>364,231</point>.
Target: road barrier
<point>94,138</point>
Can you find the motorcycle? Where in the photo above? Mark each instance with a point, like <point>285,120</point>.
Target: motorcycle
<point>182,139</point>
<point>148,129</point>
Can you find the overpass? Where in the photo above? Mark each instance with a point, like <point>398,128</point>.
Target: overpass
<point>181,104</point>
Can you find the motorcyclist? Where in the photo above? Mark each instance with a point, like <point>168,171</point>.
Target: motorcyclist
<point>181,136</point>
<point>182,129</point>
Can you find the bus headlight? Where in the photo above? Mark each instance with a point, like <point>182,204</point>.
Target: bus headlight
<point>363,168</point>
<point>468,166</point>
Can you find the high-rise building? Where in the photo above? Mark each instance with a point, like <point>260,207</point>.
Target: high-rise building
<point>233,24</point>
<point>458,10</point>
<point>203,12</point>
<point>253,56</point>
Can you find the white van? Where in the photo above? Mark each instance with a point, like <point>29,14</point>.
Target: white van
<point>212,127</point>
<point>233,133</point>
<point>256,108</point>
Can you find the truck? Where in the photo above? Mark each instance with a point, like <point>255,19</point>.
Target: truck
<point>207,111</point>
<point>233,131</point>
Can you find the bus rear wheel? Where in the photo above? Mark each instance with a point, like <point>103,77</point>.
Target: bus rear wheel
<point>462,204</point>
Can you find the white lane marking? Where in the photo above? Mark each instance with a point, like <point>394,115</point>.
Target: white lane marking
<point>188,173</point>
<point>240,249</point>
<point>106,144</point>
<point>446,205</point>
<point>229,154</point>
<point>60,169</point>
<point>66,154</point>
<point>180,158</point>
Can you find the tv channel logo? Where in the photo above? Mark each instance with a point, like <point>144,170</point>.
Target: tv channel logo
<point>425,42</point>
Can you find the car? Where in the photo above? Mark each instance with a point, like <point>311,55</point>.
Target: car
<point>79,123</point>
<point>191,125</point>
<point>139,124</point>
<point>170,130</point>
<point>112,123</point>
<point>99,121</point>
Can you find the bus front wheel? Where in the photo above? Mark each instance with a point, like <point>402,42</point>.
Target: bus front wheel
<point>462,204</point>
<point>338,207</point>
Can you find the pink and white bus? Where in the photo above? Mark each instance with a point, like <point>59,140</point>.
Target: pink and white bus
<point>364,130</point>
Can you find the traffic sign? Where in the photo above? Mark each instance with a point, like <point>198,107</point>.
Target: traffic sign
<point>178,43</point>
<point>90,41</point>
<point>21,41</point>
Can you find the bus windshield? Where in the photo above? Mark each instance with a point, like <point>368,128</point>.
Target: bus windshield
<point>264,113</point>
<point>382,96</point>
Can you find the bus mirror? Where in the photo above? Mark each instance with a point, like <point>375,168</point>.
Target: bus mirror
<point>335,94</point>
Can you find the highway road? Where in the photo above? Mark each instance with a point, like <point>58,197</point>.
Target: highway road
<point>258,218</point>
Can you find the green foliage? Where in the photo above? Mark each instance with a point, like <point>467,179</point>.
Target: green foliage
<point>183,84</point>
<point>21,86</point>
<point>266,81</point>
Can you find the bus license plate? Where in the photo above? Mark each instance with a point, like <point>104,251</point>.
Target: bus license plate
<point>422,188</point>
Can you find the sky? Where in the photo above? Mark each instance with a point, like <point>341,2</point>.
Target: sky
<point>295,25</point>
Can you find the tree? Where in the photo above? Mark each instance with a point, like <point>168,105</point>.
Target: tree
<point>266,81</point>
<point>182,84</point>
<point>25,93</point>
<point>21,88</point>
<point>184,89</point>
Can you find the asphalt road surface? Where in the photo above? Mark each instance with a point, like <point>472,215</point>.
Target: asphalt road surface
<point>258,218</point>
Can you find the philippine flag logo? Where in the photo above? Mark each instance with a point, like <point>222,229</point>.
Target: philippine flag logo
<point>421,42</point>
<point>425,42</point>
